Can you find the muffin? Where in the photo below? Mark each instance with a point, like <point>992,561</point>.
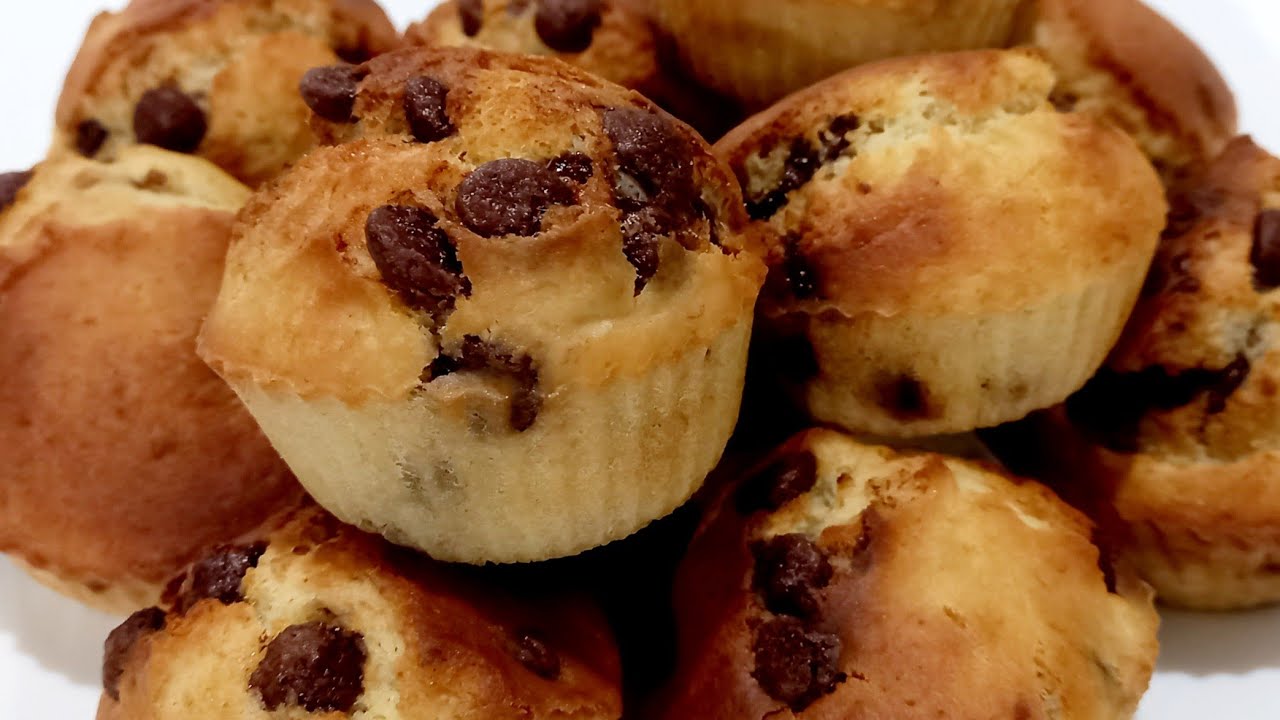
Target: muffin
<point>844,580</point>
<point>325,621</point>
<point>503,318</point>
<point>931,270</point>
<point>125,457</point>
<point>780,46</point>
<point>614,39</point>
<point>1122,60</point>
<point>1176,443</point>
<point>217,78</point>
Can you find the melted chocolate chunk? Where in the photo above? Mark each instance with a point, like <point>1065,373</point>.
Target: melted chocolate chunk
<point>536,655</point>
<point>11,184</point>
<point>121,642</point>
<point>169,118</point>
<point>653,186</point>
<point>509,197</point>
<point>790,572</point>
<point>330,91</point>
<point>476,355</point>
<point>567,25</point>
<point>1265,254</point>
<point>801,165</point>
<point>313,666</point>
<point>801,276</point>
<point>417,259</point>
<point>90,136</point>
<point>834,144</point>
<point>1110,408</point>
<point>471,13</point>
<point>574,167</point>
<point>796,665</point>
<point>784,480</point>
<point>220,576</point>
<point>906,398</point>
<point>426,108</point>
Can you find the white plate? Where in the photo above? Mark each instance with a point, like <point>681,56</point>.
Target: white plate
<point>1221,667</point>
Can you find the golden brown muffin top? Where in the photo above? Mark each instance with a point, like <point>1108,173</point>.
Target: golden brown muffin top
<point>325,619</point>
<point>605,37</point>
<point>216,77</point>
<point>481,212</point>
<point>939,184</point>
<point>1195,376</point>
<point>1123,60</point>
<point>126,457</point>
<point>843,580</point>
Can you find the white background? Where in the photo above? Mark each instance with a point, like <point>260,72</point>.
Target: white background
<point>1220,667</point>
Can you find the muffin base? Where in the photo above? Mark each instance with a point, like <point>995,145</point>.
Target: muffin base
<point>436,472</point>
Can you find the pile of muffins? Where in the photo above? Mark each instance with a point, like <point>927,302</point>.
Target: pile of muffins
<point>457,374</point>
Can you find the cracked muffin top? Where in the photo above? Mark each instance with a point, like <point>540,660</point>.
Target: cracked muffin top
<point>841,580</point>
<point>1196,374</point>
<point>325,621</point>
<point>931,173</point>
<point>213,77</point>
<point>483,212</point>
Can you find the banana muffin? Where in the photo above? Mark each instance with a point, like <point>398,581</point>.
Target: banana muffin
<point>503,318</point>
<point>125,457</point>
<point>1176,443</point>
<point>324,621</point>
<point>844,580</point>
<point>217,78</point>
<point>931,270</point>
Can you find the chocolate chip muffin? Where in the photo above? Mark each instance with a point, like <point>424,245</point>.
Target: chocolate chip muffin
<point>216,78</point>
<point>931,269</point>
<point>125,457</point>
<point>325,621</point>
<point>1122,60</point>
<point>844,581</point>
<point>780,46</point>
<point>503,318</point>
<point>1179,444</point>
<point>615,39</point>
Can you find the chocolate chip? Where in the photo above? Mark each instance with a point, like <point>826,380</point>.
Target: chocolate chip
<point>472,14</point>
<point>330,91</point>
<point>90,136</point>
<point>476,355</point>
<point>169,118</point>
<point>656,162</point>
<point>1111,406</point>
<point>784,480</point>
<point>567,25</point>
<point>573,166</point>
<point>317,667</point>
<point>801,165</point>
<point>417,260</point>
<point>641,243</point>
<point>796,665</point>
<point>536,655</point>
<point>653,186</point>
<point>509,197</point>
<point>790,570</point>
<point>220,576</point>
<point>1265,254</point>
<point>354,54</point>
<point>121,642</point>
<point>426,108</point>
<point>906,398</point>
<point>11,184</point>
<point>834,142</point>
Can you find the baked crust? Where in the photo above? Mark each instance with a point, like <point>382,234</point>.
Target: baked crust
<point>240,60</point>
<point>126,456</point>
<point>438,641</point>
<point>944,577</point>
